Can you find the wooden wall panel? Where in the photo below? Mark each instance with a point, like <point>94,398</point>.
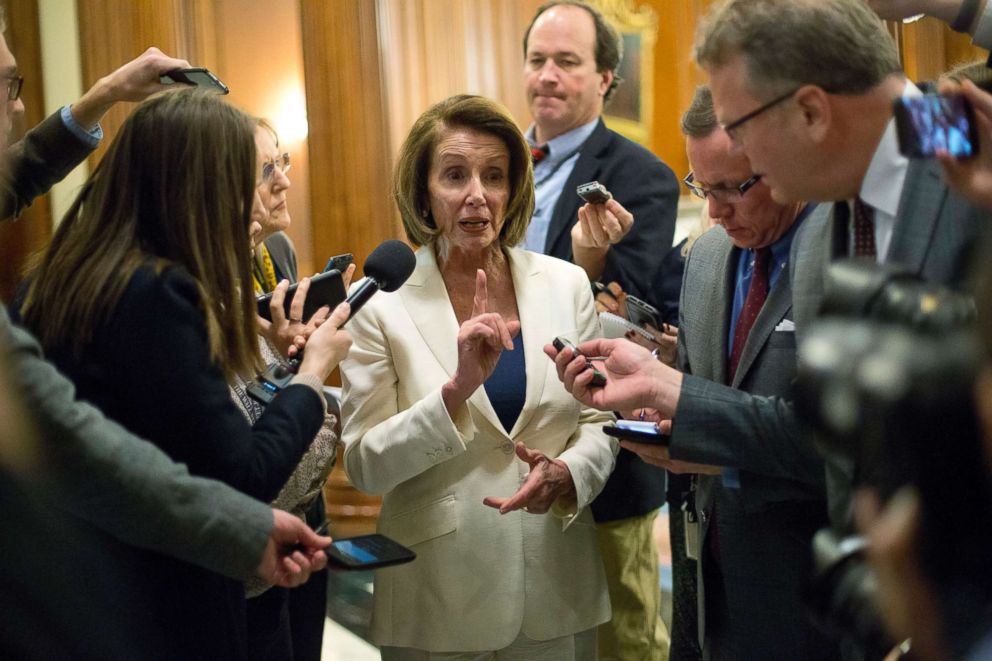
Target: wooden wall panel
<point>432,49</point>
<point>349,157</point>
<point>31,232</point>
<point>112,32</point>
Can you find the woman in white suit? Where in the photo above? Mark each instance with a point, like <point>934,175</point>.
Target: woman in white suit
<point>453,412</point>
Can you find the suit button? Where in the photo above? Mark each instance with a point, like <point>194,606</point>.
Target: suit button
<point>507,447</point>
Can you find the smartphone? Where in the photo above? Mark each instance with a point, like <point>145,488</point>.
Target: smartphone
<point>598,378</point>
<point>368,552</point>
<point>339,262</point>
<point>325,289</point>
<point>641,313</point>
<point>930,122</point>
<point>594,193</point>
<point>638,431</point>
<point>195,76</point>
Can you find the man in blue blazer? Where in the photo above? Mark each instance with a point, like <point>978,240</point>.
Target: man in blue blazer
<point>572,54</point>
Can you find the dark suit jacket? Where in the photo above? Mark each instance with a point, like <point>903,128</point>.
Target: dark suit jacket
<point>649,190</point>
<point>149,367</point>
<point>765,526</point>
<point>643,185</point>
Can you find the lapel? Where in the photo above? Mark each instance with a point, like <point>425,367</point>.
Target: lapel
<point>714,324</point>
<point>923,197</point>
<point>535,324</point>
<point>426,301</point>
<point>587,168</point>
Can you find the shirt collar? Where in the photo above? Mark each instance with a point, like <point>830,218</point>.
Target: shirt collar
<point>565,144</point>
<point>883,182</point>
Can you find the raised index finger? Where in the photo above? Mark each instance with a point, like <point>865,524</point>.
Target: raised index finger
<point>480,305</point>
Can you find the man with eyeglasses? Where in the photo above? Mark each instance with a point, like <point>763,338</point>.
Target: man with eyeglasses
<point>812,110</point>
<point>759,492</point>
<point>92,468</point>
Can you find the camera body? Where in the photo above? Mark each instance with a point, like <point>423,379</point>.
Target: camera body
<point>885,381</point>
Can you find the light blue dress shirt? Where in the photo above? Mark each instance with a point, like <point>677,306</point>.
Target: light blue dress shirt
<point>91,138</point>
<point>550,176</point>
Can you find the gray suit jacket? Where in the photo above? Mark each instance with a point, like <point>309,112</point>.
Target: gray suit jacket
<point>765,526</point>
<point>97,470</point>
<point>935,235</point>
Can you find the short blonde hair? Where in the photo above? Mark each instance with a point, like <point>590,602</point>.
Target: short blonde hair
<point>410,179</point>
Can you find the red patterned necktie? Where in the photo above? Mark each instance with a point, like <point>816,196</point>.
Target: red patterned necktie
<point>864,229</point>
<point>537,154</point>
<point>756,295</point>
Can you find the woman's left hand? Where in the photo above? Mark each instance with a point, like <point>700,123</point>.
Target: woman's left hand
<point>547,481</point>
<point>289,335</point>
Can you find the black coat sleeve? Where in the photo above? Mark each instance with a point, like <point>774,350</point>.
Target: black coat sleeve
<point>152,370</point>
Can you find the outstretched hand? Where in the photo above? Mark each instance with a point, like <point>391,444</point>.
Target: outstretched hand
<point>481,340</point>
<point>548,480</point>
<point>292,553</point>
<point>134,81</point>
<point>634,379</point>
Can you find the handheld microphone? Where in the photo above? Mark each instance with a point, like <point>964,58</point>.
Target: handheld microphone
<point>387,268</point>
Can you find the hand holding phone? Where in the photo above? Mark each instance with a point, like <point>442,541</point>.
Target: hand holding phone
<point>594,193</point>
<point>325,289</point>
<point>598,378</point>
<point>194,76</point>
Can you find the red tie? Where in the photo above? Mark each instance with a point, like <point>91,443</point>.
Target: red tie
<point>756,296</point>
<point>537,154</point>
<point>864,229</point>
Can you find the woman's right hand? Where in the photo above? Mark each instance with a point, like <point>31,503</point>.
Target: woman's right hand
<point>328,345</point>
<point>481,340</point>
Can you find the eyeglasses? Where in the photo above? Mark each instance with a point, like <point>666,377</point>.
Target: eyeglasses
<point>269,168</point>
<point>14,85</point>
<point>739,122</point>
<point>724,195</point>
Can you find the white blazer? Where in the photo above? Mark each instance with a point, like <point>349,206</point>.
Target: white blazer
<point>480,578</point>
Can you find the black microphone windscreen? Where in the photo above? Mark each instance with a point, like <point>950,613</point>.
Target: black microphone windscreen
<point>390,264</point>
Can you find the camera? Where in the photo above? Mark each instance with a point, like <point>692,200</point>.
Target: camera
<point>885,381</point>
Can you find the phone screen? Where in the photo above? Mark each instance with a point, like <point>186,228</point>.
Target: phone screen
<point>368,552</point>
<point>935,122</point>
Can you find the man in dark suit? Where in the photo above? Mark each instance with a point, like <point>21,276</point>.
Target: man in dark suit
<point>812,109</point>
<point>570,71</point>
<point>92,467</point>
<point>760,494</point>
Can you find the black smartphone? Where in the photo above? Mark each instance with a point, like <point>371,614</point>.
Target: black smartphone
<point>368,552</point>
<point>594,193</point>
<point>325,289</point>
<point>598,378</point>
<point>642,313</point>
<point>637,431</point>
<point>195,76</point>
<point>934,122</point>
<point>339,262</point>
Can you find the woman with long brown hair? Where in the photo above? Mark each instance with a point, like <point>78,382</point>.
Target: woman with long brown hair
<point>144,299</point>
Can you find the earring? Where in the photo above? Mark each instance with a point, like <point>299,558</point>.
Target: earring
<point>424,213</point>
